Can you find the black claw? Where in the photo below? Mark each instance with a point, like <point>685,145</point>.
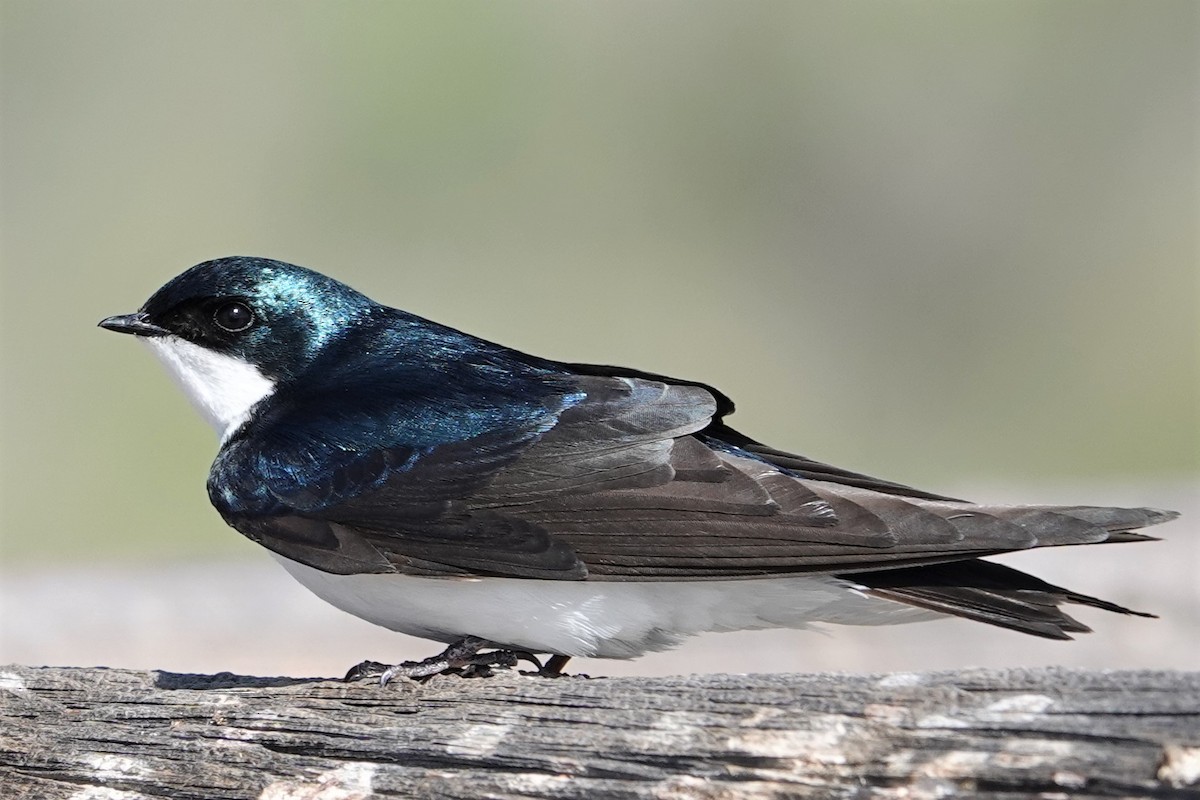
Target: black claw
<point>461,658</point>
<point>553,669</point>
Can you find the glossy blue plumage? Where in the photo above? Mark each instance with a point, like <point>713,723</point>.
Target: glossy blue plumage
<point>364,439</point>
<point>365,392</point>
<point>376,401</point>
<point>304,311</point>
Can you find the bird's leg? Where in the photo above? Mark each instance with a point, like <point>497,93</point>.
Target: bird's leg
<point>462,657</point>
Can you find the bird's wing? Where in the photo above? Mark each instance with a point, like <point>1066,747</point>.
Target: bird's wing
<point>726,515</point>
<point>622,478</point>
<point>367,489</point>
<point>719,434</point>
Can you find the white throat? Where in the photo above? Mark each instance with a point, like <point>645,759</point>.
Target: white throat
<point>221,387</point>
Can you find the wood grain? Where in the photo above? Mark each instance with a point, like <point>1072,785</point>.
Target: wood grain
<point>101,734</point>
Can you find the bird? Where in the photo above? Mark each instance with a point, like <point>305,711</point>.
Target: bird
<point>517,508</point>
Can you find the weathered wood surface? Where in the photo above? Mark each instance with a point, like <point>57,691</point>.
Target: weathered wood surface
<point>96,734</point>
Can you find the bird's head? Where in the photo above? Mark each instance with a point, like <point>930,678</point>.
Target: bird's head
<point>231,329</point>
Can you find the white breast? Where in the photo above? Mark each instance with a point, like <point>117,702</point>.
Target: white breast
<point>221,387</point>
<point>606,619</point>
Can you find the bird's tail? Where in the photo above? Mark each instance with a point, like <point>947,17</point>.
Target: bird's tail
<point>998,595</point>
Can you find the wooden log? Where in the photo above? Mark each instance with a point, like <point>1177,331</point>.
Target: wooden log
<point>101,734</point>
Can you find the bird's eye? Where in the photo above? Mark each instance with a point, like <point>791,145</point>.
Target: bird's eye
<point>234,316</point>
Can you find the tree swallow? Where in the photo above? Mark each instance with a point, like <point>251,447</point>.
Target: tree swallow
<point>508,505</point>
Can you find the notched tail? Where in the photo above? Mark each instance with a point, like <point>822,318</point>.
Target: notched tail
<point>987,592</point>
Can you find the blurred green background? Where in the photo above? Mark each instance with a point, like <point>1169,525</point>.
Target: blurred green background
<point>947,243</point>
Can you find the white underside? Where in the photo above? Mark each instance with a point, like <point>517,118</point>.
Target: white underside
<point>606,619</point>
<point>222,388</point>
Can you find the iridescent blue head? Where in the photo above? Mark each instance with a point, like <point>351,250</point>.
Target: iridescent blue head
<point>235,330</point>
<point>231,330</point>
<point>273,315</point>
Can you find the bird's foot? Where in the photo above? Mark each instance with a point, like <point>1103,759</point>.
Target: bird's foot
<point>461,658</point>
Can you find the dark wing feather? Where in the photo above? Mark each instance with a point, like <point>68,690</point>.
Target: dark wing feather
<point>384,513</point>
<point>803,467</point>
<point>741,517</point>
<point>290,483</point>
<point>719,435</point>
<point>621,475</point>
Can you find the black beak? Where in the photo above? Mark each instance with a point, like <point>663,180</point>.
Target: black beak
<point>133,323</point>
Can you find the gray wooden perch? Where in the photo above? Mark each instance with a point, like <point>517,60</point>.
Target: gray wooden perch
<point>101,734</point>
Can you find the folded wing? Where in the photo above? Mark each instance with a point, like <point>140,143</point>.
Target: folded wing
<point>636,477</point>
